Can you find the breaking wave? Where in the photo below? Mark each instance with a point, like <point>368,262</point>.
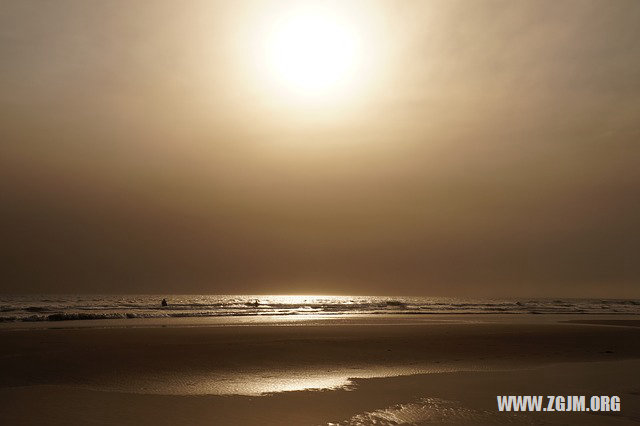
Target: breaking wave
<point>123,307</point>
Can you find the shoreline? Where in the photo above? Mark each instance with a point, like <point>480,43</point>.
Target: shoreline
<point>614,319</point>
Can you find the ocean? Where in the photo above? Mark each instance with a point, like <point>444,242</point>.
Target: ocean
<point>32,308</point>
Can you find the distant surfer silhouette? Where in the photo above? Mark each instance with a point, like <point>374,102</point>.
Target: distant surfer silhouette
<point>164,302</point>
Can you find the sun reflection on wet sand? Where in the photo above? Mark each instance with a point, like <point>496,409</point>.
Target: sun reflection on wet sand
<point>250,384</point>
<point>258,382</point>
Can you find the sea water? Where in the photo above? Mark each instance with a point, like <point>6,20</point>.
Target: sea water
<point>31,308</point>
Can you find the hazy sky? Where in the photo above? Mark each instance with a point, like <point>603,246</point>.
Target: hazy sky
<point>480,148</point>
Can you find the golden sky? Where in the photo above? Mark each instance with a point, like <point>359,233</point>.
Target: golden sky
<point>480,148</point>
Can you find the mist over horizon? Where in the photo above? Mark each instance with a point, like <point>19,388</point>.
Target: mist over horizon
<point>485,149</point>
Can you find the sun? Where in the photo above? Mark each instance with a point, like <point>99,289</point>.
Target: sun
<point>313,54</point>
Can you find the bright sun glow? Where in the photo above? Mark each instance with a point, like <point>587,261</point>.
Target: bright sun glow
<point>313,54</point>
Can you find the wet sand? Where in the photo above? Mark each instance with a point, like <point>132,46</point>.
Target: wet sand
<point>214,373</point>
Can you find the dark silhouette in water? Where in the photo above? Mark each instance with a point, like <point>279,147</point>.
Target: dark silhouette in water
<point>164,302</point>
<point>254,304</point>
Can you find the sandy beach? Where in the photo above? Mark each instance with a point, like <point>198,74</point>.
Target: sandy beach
<point>366,370</point>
